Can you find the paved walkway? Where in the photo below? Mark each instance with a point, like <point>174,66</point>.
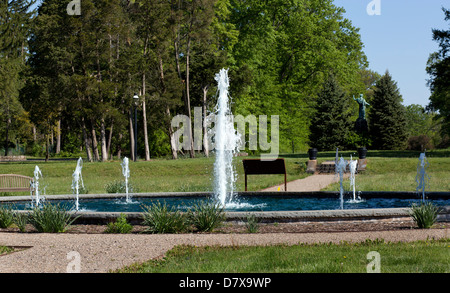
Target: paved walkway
<point>91,253</point>
<point>310,183</point>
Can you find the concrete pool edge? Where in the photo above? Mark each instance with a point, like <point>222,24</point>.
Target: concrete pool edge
<point>319,194</point>
<point>391,214</point>
<point>372,215</point>
<point>382,214</point>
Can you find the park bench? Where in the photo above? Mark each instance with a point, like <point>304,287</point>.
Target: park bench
<point>260,167</point>
<point>14,182</point>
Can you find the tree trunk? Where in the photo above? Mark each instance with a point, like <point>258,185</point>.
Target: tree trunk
<point>205,129</point>
<point>131,134</point>
<point>144,118</point>
<point>47,147</point>
<point>94,143</point>
<point>119,148</point>
<point>103,140</point>
<point>173,145</point>
<point>188,99</point>
<point>87,144</point>
<point>108,148</point>
<point>58,136</point>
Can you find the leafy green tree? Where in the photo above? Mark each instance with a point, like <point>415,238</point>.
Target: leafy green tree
<point>287,49</point>
<point>421,121</point>
<point>387,120</point>
<point>438,68</point>
<point>331,124</point>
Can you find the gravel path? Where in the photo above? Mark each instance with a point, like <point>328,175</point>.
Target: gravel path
<point>103,252</point>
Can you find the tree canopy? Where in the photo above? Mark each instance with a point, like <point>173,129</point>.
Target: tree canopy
<point>438,68</point>
<point>72,78</point>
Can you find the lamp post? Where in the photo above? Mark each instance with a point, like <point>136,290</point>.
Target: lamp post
<point>136,101</point>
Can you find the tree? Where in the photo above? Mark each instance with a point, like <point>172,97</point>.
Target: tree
<point>423,122</point>
<point>387,118</point>
<point>438,68</point>
<point>15,22</point>
<point>331,123</point>
<point>287,50</point>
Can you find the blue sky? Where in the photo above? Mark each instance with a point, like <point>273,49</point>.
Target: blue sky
<point>399,40</point>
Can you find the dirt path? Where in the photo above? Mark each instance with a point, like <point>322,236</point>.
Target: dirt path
<point>52,253</point>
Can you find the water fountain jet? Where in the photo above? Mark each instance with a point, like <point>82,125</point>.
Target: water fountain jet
<point>422,177</point>
<point>76,180</point>
<point>37,175</point>
<point>352,165</point>
<point>126,175</point>
<point>340,167</point>
<point>227,142</point>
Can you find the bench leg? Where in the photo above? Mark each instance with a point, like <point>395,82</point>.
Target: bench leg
<point>285,182</point>
<point>245,182</point>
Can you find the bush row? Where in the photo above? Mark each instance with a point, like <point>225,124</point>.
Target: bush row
<point>159,218</point>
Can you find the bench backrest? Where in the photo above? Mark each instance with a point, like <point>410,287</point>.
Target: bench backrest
<point>14,182</point>
<point>260,167</point>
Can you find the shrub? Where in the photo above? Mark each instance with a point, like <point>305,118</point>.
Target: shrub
<point>424,214</point>
<point>252,224</point>
<point>160,219</point>
<point>206,216</point>
<point>6,217</point>
<point>50,218</point>
<point>120,226</point>
<point>420,143</point>
<point>21,221</point>
<point>119,187</point>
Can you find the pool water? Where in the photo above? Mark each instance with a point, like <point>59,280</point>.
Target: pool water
<point>242,203</point>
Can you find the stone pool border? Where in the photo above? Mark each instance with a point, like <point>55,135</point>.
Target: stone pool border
<point>373,215</point>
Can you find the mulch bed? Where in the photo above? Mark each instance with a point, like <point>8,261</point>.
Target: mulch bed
<point>293,227</point>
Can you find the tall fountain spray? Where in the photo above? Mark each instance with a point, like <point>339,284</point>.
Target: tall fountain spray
<point>422,178</point>
<point>340,167</point>
<point>227,142</point>
<point>76,180</point>
<point>126,175</point>
<point>352,165</point>
<point>37,176</point>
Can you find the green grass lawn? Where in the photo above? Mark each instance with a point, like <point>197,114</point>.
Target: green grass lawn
<point>386,171</point>
<point>431,256</point>
<point>5,250</point>
<point>158,175</point>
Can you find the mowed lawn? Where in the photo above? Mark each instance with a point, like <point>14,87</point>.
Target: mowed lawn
<point>431,256</point>
<point>158,175</point>
<point>386,171</point>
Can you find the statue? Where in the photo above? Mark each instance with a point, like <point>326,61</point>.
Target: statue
<point>362,106</point>
<point>361,123</point>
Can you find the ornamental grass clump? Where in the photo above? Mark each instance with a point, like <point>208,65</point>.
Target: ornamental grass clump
<point>206,216</point>
<point>50,218</point>
<point>6,217</point>
<point>21,220</point>
<point>160,219</point>
<point>424,214</point>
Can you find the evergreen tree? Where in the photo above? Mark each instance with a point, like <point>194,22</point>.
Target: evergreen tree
<point>16,18</point>
<point>387,117</point>
<point>331,124</point>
